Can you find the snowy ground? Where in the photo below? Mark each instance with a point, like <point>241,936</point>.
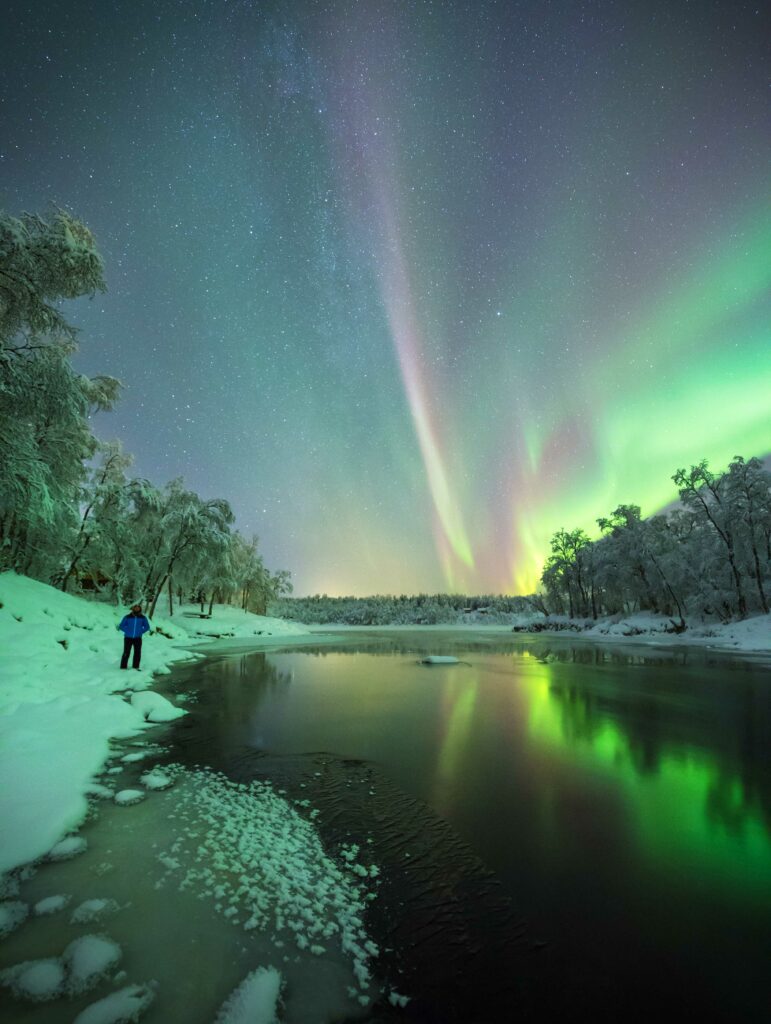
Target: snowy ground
<point>59,673</point>
<point>245,851</point>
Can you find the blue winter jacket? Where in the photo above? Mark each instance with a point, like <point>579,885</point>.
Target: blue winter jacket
<point>134,625</point>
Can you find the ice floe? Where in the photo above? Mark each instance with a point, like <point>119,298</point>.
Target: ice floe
<point>71,846</point>
<point>88,959</point>
<point>50,904</point>
<point>254,1001</point>
<point>93,910</point>
<point>122,1007</point>
<point>12,914</point>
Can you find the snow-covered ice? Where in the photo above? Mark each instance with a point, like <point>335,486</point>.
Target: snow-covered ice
<point>264,867</point>
<point>36,980</point>
<point>126,797</point>
<point>93,910</point>
<point>88,959</point>
<point>51,904</point>
<point>254,1001</point>
<point>439,659</point>
<point>12,914</point>
<point>122,1007</point>
<point>155,779</point>
<point>68,847</point>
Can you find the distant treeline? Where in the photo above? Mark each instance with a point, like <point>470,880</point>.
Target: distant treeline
<point>388,610</point>
<point>70,514</point>
<point>709,558</point>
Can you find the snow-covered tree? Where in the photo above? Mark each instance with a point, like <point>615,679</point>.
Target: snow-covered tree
<point>104,502</point>
<point>707,497</point>
<point>748,488</point>
<point>42,262</point>
<point>45,437</point>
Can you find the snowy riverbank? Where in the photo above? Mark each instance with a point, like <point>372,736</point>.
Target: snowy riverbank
<point>748,636</point>
<point>63,697</point>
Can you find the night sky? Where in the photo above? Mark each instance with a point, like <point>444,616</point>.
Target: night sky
<point>411,284</point>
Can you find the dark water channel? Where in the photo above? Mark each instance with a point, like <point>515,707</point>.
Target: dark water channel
<point>566,830</point>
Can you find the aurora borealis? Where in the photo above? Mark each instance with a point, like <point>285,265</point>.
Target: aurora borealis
<point>411,284</point>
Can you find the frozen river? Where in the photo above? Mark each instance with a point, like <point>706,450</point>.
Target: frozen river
<point>559,828</point>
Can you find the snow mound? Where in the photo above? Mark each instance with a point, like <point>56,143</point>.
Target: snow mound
<point>439,659</point>
<point>122,1007</point>
<point>69,847</point>
<point>98,790</point>
<point>138,755</point>
<point>12,914</point>
<point>254,1001</point>
<point>397,1000</point>
<point>126,797</point>
<point>92,910</point>
<point>89,958</point>
<point>50,904</point>
<point>155,779</point>
<point>36,980</point>
<point>154,707</point>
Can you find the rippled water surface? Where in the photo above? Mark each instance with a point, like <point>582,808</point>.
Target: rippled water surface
<point>622,797</point>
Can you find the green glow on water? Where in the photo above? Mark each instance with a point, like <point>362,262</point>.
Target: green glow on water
<point>459,703</point>
<point>690,812</point>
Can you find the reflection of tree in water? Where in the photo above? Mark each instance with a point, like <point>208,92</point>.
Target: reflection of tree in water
<point>729,728</point>
<point>229,691</point>
<point>591,655</point>
<point>734,797</point>
<point>586,715</point>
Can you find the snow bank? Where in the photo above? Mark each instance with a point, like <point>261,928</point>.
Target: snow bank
<point>749,635</point>
<point>154,708</point>
<point>59,673</point>
<point>254,1001</point>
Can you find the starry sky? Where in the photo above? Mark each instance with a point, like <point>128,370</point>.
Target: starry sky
<point>413,284</point>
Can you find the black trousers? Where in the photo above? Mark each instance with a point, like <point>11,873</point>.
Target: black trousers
<point>128,643</point>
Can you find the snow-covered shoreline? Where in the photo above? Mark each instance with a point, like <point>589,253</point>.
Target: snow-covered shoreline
<point>748,636</point>
<point>63,698</point>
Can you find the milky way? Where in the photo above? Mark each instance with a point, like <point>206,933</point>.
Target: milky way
<point>411,284</point>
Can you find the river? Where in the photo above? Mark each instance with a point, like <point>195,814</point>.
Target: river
<point>562,829</point>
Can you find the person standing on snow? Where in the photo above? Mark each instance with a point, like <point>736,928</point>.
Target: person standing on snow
<point>133,627</point>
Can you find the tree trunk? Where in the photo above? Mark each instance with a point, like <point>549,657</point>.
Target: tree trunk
<point>156,595</point>
<point>171,599</point>
<point>758,572</point>
<point>211,603</point>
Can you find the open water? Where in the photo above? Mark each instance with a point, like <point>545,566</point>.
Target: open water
<point>563,829</point>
